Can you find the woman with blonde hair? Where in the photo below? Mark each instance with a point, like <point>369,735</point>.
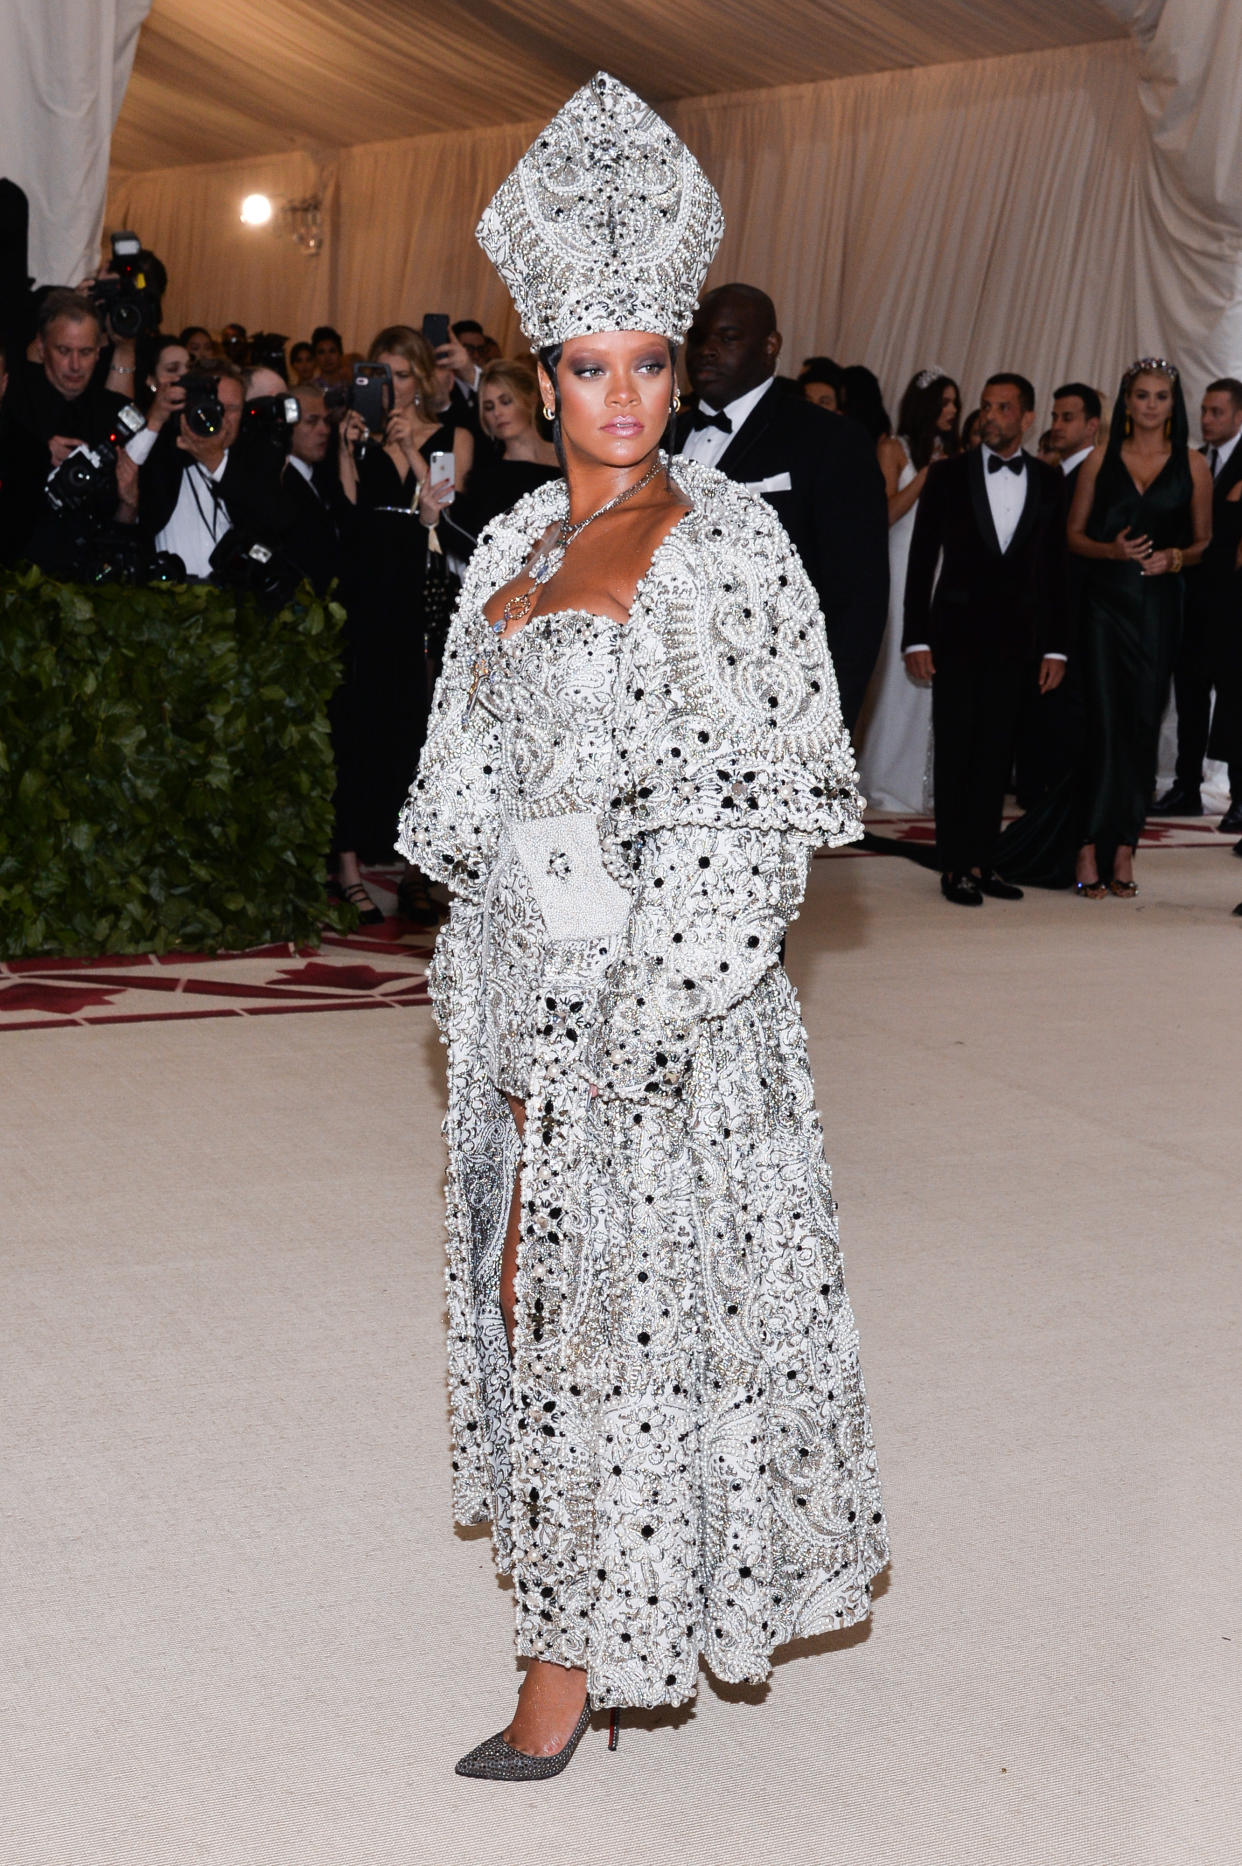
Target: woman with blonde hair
<point>513,457</point>
<point>380,710</point>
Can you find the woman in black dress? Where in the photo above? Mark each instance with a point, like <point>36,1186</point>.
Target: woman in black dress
<point>380,711</point>
<point>514,458</point>
<point>1142,513</point>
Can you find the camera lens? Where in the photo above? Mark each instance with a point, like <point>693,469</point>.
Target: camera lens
<point>125,315</point>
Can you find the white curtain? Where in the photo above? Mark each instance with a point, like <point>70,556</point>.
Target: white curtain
<point>1189,219</point>
<point>1015,212</point>
<point>63,73</point>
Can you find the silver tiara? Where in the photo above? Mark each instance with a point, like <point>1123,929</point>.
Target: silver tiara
<point>606,223</point>
<point>1148,364</point>
<point>926,377</point>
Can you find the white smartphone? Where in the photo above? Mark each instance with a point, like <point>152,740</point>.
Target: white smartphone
<point>442,472</point>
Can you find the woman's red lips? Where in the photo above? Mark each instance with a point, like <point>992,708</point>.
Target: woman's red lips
<point>624,424</point>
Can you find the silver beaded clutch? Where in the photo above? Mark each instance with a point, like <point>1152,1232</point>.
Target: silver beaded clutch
<point>576,895</point>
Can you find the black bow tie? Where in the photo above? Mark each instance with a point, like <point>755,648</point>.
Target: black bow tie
<point>1015,463</point>
<point>699,418</point>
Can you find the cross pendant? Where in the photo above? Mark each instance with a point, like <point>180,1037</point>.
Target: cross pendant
<point>478,674</point>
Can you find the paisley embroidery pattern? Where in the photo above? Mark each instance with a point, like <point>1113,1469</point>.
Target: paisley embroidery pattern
<point>606,223</point>
<point>678,1462</point>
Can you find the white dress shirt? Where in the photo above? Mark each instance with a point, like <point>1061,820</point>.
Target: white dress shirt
<point>1006,495</point>
<point>198,522</point>
<point>1073,460</point>
<point>707,444</point>
<point>1222,452</point>
<point>199,519</point>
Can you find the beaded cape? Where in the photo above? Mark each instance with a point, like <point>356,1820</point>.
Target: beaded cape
<point>606,223</point>
<point>677,1461</point>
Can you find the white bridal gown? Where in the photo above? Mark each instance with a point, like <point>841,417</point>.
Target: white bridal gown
<point>895,762</point>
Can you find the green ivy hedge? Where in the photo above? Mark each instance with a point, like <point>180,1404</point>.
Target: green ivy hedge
<point>165,769</point>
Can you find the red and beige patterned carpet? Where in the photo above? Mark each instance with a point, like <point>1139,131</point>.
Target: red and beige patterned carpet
<point>376,968</point>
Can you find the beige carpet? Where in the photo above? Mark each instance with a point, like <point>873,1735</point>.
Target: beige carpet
<point>239,1630</point>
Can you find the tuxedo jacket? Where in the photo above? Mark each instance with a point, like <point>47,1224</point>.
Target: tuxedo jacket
<point>819,473</point>
<point>991,607</point>
<point>1077,571</point>
<point>313,539</point>
<point>1213,579</point>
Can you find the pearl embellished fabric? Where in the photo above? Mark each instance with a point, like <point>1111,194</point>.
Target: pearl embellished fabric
<point>606,223</point>
<point>552,695</point>
<point>678,1462</point>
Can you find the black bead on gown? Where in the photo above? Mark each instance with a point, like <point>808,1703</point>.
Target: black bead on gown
<point>1130,629</point>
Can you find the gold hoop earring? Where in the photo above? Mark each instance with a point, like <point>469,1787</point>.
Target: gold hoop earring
<point>676,401</point>
<point>549,414</point>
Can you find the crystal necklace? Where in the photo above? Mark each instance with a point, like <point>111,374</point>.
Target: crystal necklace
<point>542,568</point>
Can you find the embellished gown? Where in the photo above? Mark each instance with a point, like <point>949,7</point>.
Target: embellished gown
<point>677,1462</point>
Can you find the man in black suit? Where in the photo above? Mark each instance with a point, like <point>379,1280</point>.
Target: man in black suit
<point>1207,652</point>
<point>1050,724</point>
<point>817,470</point>
<point>52,407</point>
<point>312,540</point>
<point>994,519</point>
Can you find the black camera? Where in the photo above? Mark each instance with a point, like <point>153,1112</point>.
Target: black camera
<point>132,301</point>
<point>272,414</point>
<point>202,412</point>
<point>245,563</point>
<point>119,554</point>
<point>370,395</point>
<point>85,481</point>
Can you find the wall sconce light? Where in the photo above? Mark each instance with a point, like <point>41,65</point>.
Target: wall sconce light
<point>299,221</point>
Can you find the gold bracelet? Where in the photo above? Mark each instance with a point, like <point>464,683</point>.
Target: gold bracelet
<point>1177,561</point>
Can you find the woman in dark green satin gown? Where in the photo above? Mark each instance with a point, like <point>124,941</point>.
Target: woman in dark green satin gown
<point>1142,513</point>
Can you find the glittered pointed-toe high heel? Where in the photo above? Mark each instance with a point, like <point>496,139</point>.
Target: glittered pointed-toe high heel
<point>498,1761</point>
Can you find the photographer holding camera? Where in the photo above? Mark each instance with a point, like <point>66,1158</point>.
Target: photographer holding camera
<point>201,481</point>
<point>127,295</point>
<point>55,406</point>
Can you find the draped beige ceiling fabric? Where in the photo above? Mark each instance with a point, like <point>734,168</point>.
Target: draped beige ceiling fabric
<point>232,78</point>
<point>63,71</point>
<point>976,215</point>
<point>1057,212</point>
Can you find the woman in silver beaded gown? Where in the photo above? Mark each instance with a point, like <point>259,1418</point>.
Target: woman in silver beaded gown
<point>635,748</point>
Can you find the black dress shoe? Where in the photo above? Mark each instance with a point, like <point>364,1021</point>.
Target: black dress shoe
<point>962,890</point>
<point>1177,802</point>
<point>992,884</point>
<point>1231,822</point>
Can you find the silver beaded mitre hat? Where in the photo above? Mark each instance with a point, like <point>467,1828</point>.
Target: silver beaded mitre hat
<point>606,223</point>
